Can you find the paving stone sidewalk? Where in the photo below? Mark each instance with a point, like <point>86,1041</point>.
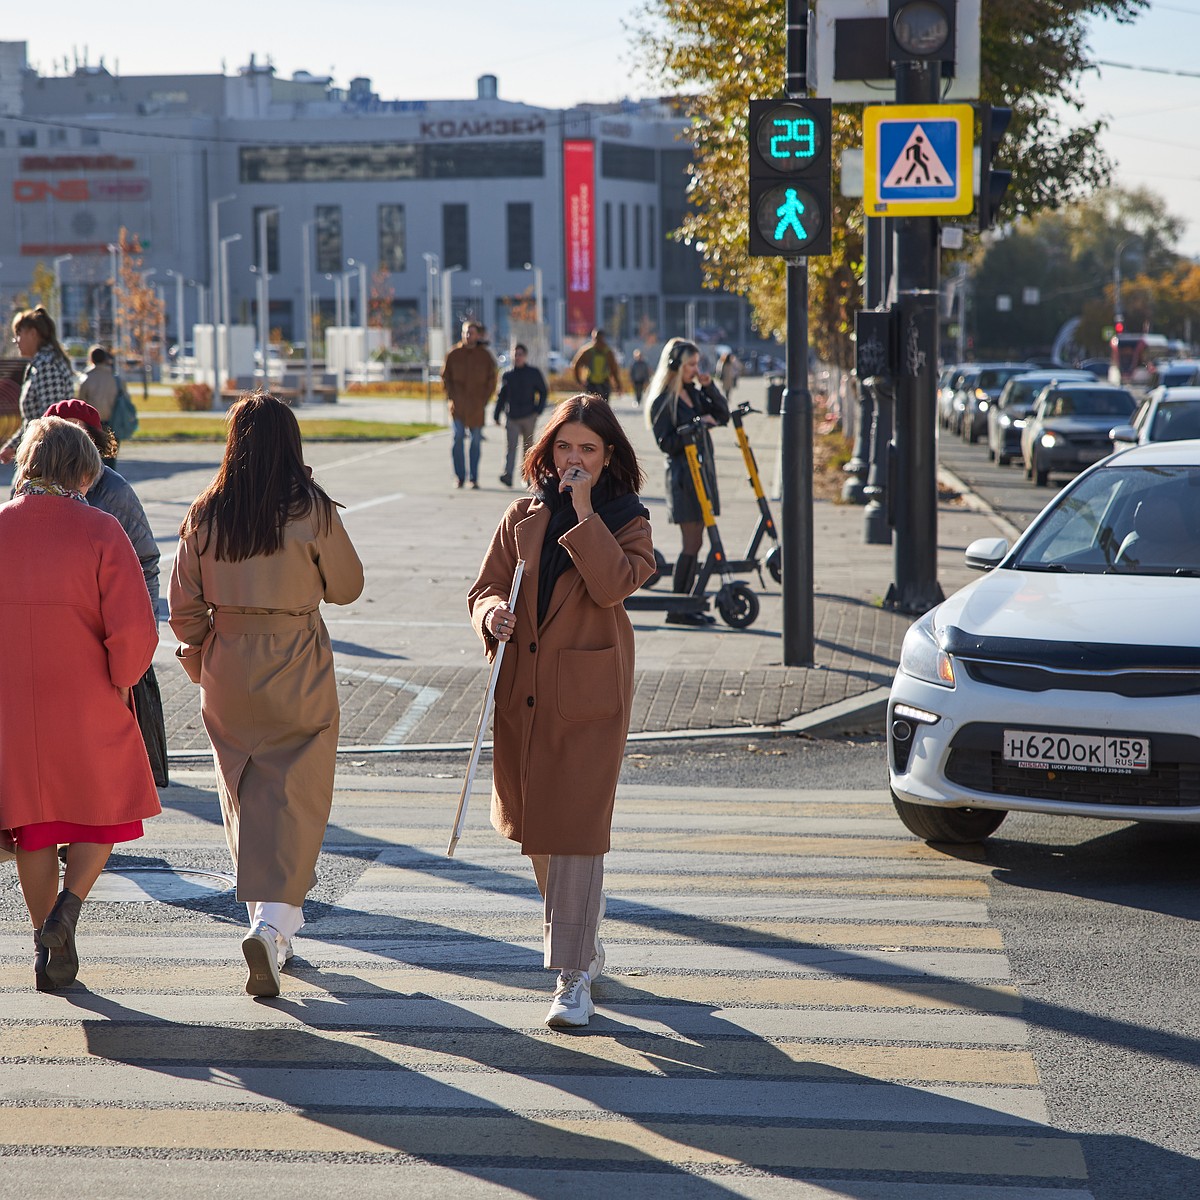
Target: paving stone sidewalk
<point>410,671</point>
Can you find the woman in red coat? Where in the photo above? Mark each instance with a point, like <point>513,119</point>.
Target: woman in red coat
<point>565,691</point>
<point>78,633</point>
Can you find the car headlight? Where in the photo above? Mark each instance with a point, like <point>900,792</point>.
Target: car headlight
<point>1018,423</point>
<point>1050,439</point>
<point>922,657</point>
<point>1004,419</point>
<point>983,406</point>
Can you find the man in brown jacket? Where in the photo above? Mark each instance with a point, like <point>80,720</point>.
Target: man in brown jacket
<point>469,377</point>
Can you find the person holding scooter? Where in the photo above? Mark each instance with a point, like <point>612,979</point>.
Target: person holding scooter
<point>682,394</point>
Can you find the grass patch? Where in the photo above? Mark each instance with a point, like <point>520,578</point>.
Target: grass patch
<point>205,429</point>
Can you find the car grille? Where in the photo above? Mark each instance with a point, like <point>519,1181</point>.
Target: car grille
<point>1023,677</point>
<point>1091,441</point>
<point>1173,781</point>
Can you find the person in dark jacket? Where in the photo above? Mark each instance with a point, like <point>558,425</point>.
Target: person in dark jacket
<point>521,401</point>
<point>683,394</point>
<point>112,494</point>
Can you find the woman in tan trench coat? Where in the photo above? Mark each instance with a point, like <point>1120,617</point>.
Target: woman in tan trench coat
<point>566,684</point>
<point>259,550</point>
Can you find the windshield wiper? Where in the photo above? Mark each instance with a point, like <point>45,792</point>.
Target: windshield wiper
<point>1051,566</point>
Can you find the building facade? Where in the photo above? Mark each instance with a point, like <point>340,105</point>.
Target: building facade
<point>484,198</point>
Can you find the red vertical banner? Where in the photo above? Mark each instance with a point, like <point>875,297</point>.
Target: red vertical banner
<point>579,227</point>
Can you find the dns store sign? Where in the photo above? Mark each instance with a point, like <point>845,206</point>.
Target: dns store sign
<point>37,191</point>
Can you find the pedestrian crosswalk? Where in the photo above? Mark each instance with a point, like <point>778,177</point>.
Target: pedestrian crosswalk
<point>799,1002</point>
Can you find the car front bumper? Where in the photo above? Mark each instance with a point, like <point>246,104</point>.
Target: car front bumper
<point>953,760</point>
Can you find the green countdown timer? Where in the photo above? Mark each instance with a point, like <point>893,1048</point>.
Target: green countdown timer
<point>789,137</point>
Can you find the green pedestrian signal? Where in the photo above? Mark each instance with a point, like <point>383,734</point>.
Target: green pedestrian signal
<point>789,177</point>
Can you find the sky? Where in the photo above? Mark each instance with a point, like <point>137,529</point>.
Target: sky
<point>556,53</point>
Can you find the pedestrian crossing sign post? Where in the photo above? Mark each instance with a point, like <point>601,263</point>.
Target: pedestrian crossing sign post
<point>917,160</point>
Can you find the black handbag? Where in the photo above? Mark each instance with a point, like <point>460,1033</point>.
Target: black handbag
<point>147,704</point>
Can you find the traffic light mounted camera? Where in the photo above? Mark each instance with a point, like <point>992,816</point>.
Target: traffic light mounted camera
<point>789,178</point>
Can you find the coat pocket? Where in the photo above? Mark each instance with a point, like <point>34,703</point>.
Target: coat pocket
<point>588,685</point>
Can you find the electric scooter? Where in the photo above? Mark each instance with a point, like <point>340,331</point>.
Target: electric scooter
<point>766,523</point>
<point>736,601</point>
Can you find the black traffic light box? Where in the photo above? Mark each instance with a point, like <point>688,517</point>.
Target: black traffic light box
<point>992,183</point>
<point>790,198</point>
<point>921,30</point>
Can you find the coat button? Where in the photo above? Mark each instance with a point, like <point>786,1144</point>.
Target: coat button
<point>529,701</point>
<point>533,647</point>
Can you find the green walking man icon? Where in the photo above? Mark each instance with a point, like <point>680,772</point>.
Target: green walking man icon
<point>789,214</point>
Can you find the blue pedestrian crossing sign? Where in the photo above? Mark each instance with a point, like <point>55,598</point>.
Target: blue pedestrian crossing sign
<point>917,160</point>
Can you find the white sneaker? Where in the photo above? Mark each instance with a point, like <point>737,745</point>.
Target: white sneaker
<point>261,951</point>
<point>596,966</point>
<point>572,1005</point>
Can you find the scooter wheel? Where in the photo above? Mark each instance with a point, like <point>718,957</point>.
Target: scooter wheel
<point>738,605</point>
<point>774,561</point>
<point>662,567</point>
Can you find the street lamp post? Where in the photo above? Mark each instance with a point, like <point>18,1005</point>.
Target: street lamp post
<point>447,306</point>
<point>58,302</point>
<point>116,257</point>
<point>179,324</point>
<point>538,311</point>
<point>1118,315</point>
<point>432,271</point>
<point>214,283</point>
<point>264,302</point>
<point>223,272</point>
<point>306,244</point>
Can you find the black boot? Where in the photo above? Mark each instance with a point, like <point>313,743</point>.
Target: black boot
<point>685,573</point>
<point>40,978</point>
<point>58,935</point>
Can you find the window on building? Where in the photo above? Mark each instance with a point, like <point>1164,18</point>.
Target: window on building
<point>637,237</point>
<point>329,237</point>
<point>272,238</point>
<point>624,231</point>
<point>520,235</point>
<point>56,137</point>
<point>27,138</point>
<point>338,162</point>
<point>454,236</point>
<point>89,137</point>
<point>608,236</point>
<point>392,246</point>
<point>618,161</point>
<point>651,237</point>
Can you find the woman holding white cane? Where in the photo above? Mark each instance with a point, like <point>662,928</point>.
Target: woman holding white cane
<point>565,689</point>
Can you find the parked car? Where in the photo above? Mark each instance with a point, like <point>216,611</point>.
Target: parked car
<point>1069,427</point>
<point>1165,415</point>
<point>1065,679</point>
<point>1006,418</point>
<point>979,389</point>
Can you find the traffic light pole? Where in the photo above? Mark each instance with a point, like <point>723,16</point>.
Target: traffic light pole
<point>914,498</point>
<point>796,431</point>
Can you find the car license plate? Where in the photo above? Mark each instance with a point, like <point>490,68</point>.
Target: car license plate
<point>1113,753</point>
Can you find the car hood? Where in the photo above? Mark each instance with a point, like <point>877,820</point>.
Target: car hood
<point>1150,610</point>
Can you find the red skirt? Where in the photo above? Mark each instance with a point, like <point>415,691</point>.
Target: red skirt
<point>63,833</point>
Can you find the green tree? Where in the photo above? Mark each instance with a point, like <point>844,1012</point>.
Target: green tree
<point>718,54</point>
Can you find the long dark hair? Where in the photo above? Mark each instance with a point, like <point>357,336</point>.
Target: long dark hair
<point>623,468</point>
<point>261,486</point>
<point>40,320</point>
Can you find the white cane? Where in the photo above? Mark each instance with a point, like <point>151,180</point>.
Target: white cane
<point>488,702</point>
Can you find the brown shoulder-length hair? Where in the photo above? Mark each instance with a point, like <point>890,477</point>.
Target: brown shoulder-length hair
<point>261,486</point>
<point>40,320</point>
<point>623,468</point>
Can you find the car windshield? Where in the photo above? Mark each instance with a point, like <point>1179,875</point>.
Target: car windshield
<point>1100,403</point>
<point>994,379</point>
<point>1176,421</point>
<point>1176,376</point>
<point>1123,519</point>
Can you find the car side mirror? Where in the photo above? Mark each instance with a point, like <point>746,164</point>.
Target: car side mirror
<point>985,553</point>
<point>1123,435</point>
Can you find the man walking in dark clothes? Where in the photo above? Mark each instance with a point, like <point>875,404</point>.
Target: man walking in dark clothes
<point>522,400</point>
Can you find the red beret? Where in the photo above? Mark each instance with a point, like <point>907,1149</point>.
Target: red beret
<point>75,410</point>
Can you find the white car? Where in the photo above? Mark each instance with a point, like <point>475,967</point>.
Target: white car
<point>1067,679</point>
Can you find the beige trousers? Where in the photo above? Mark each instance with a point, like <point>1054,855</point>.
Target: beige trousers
<point>572,888</point>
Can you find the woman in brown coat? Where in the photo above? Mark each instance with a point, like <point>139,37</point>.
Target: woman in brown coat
<point>566,684</point>
<point>258,552</point>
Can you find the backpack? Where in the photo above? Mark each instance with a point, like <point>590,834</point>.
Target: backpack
<point>124,419</point>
